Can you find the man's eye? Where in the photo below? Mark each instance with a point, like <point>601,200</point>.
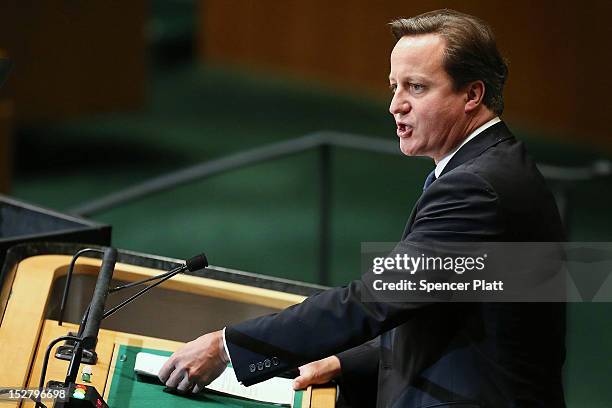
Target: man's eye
<point>417,87</point>
<point>393,88</point>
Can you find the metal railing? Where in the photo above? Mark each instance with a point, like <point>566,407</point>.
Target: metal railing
<point>560,177</point>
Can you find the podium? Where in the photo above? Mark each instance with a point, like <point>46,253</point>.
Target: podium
<point>179,310</point>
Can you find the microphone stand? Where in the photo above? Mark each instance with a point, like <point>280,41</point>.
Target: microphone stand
<point>90,326</point>
<point>89,336</point>
<point>89,329</point>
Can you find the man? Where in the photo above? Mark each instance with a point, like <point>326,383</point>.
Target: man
<point>447,78</point>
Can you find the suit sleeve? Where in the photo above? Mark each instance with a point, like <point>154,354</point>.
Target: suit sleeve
<point>459,206</point>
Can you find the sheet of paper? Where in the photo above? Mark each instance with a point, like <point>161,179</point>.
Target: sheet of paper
<point>275,390</point>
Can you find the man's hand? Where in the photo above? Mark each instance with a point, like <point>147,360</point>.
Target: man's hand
<point>317,372</point>
<point>196,364</point>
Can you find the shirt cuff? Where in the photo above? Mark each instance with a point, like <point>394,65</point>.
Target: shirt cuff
<point>226,349</point>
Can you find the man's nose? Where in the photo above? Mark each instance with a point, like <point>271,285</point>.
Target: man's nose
<point>398,105</point>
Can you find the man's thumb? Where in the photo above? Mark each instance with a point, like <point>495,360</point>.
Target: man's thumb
<point>302,381</point>
<point>297,383</point>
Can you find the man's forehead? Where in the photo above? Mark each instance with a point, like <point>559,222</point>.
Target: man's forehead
<point>424,52</point>
<point>420,43</point>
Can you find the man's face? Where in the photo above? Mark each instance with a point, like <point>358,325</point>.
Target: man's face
<point>429,114</point>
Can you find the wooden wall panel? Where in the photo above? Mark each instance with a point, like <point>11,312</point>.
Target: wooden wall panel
<point>74,57</point>
<point>559,65</point>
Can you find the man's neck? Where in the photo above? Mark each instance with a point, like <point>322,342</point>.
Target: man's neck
<point>472,124</point>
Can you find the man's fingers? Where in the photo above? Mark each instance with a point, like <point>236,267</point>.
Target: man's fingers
<point>175,378</point>
<point>184,385</point>
<point>203,355</point>
<point>166,370</point>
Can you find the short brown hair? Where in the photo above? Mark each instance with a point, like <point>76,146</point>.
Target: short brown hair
<point>471,53</point>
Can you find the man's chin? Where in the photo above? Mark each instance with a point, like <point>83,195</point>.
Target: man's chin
<point>408,148</point>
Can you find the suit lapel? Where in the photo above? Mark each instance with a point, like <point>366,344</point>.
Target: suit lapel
<point>474,148</point>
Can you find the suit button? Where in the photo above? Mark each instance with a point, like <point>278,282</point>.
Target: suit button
<point>260,366</point>
<point>267,363</point>
<point>252,368</point>
<point>275,361</point>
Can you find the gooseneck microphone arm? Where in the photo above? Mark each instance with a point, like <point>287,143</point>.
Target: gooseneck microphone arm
<point>192,264</point>
<point>69,279</point>
<point>143,281</point>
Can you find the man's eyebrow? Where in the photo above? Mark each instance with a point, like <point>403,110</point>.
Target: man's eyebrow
<point>410,78</point>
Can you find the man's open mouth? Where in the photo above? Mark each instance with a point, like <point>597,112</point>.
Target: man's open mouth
<point>404,130</point>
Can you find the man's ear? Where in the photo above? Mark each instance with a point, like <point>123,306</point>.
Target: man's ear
<point>474,94</point>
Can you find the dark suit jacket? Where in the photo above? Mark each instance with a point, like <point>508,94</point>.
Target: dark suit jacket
<point>434,355</point>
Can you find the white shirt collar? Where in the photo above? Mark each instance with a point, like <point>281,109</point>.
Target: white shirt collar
<point>442,163</point>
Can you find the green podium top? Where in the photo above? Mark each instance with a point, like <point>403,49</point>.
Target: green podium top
<point>127,391</point>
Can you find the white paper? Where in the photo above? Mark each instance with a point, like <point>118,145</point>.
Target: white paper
<point>275,390</point>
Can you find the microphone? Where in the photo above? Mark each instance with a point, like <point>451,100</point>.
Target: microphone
<point>192,264</point>
<point>94,314</point>
<point>96,310</point>
<point>196,263</point>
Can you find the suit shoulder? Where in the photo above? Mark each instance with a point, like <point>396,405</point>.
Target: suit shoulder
<point>509,171</point>
<point>524,199</point>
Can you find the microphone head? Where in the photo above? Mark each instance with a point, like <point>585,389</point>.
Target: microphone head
<point>196,263</point>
